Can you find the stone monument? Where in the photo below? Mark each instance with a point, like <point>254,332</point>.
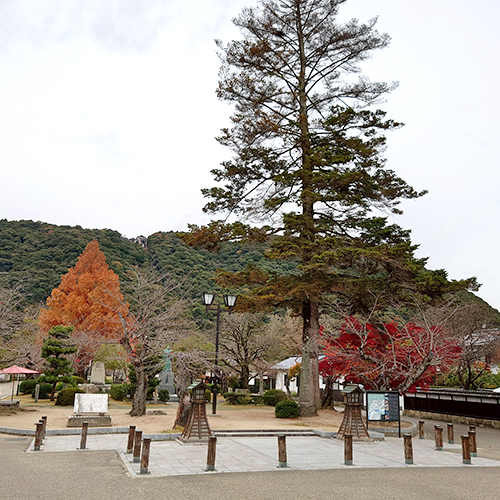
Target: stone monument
<point>167,375</point>
<point>91,408</point>
<point>98,374</point>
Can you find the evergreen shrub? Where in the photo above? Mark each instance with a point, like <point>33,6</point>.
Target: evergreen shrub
<point>118,391</point>
<point>287,409</point>
<point>273,396</point>
<point>45,390</point>
<point>164,395</point>
<point>66,397</point>
<point>27,386</point>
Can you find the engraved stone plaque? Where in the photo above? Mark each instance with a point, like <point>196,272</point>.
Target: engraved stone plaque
<point>91,403</point>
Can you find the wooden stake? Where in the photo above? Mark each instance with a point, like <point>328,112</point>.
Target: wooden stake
<point>145,455</point>
<point>137,447</point>
<point>282,451</point>
<point>438,437</point>
<point>44,420</point>
<point>473,443</point>
<point>212,444</point>
<point>421,431</point>
<point>83,440</point>
<point>408,449</point>
<point>348,449</point>
<point>451,435</point>
<point>131,436</point>
<point>38,436</point>
<point>466,450</point>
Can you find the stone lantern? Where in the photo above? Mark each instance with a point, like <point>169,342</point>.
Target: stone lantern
<point>197,429</point>
<point>353,422</point>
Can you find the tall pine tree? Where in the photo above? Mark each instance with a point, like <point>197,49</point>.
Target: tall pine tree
<point>308,169</point>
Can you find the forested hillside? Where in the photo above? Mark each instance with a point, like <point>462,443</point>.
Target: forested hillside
<point>36,254</point>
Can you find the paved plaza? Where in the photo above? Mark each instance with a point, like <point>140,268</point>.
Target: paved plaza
<point>252,454</point>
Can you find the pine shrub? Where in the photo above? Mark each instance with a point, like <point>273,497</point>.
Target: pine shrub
<point>66,397</point>
<point>273,396</point>
<point>287,409</point>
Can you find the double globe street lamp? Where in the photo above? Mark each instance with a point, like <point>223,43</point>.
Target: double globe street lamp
<point>229,302</point>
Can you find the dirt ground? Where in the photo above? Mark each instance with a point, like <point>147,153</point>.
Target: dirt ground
<point>228,417</point>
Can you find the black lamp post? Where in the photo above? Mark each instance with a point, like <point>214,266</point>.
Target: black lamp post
<point>229,302</point>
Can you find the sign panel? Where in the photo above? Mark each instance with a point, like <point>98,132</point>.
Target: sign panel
<point>382,406</point>
<point>91,403</point>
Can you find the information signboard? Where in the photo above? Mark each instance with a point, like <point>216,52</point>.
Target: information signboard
<point>382,406</point>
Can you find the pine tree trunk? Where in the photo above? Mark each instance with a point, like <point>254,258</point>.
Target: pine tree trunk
<point>141,392</point>
<point>309,397</point>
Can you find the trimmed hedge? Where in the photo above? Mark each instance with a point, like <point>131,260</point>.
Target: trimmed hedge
<point>164,395</point>
<point>66,397</point>
<point>118,391</point>
<point>45,390</point>
<point>274,396</point>
<point>27,386</point>
<point>287,409</point>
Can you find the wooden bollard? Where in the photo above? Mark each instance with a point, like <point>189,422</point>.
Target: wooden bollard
<point>466,450</point>
<point>473,443</point>
<point>44,420</point>
<point>83,440</point>
<point>282,451</point>
<point>145,455</point>
<point>131,436</point>
<point>451,434</point>
<point>421,431</point>
<point>212,444</point>
<point>348,449</point>
<point>438,437</point>
<point>408,449</point>
<point>38,436</point>
<point>137,447</point>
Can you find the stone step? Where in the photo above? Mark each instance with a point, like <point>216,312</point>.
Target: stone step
<point>263,432</point>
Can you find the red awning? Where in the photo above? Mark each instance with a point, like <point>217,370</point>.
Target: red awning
<point>18,370</point>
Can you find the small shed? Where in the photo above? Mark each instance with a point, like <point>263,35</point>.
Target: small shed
<point>353,422</point>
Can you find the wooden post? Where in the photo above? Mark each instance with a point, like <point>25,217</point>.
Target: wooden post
<point>473,443</point>
<point>348,449</point>
<point>451,435</point>
<point>421,431</point>
<point>137,447</point>
<point>212,444</point>
<point>282,451</point>
<point>145,455</point>
<point>438,437</point>
<point>83,440</point>
<point>131,436</point>
<point>44,420</point>
<point>38,436</point>
<point>466,450</point>
<point>408,449</point>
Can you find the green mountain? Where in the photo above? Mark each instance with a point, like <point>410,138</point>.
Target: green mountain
<point>36,255</point>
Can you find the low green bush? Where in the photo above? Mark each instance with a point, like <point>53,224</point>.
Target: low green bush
<point>118,391</point>
<point>45,390</point>
<point>66,397</point>
<point>164,395</point>
<point>273,396</point>
<point>27,386</point>
<point>287,409</point>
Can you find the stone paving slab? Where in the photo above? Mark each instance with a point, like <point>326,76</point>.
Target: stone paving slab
<point>250,454</point>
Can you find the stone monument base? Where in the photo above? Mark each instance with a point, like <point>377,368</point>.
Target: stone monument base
<point>93,420</point>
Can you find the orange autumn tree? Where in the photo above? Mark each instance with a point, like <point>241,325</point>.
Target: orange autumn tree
<point>83,301</point>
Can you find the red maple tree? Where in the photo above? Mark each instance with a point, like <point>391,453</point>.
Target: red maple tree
<point>83,301</point>
<point>389,356</point>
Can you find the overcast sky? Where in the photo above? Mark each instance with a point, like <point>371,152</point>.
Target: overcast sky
<point>108,116</point>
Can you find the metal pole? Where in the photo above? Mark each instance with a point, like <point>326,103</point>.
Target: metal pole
<point>214,400</point>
